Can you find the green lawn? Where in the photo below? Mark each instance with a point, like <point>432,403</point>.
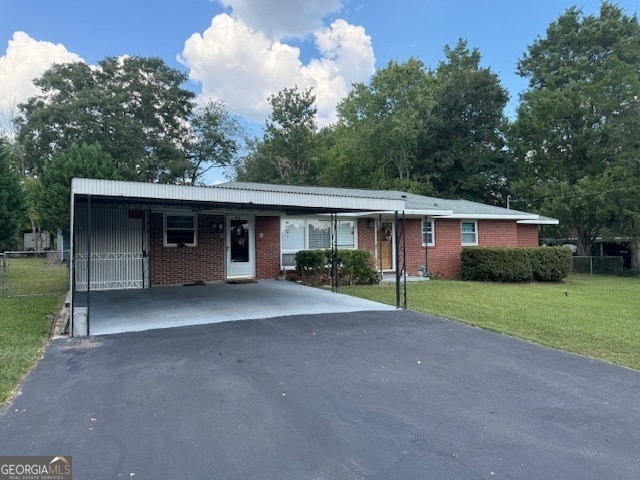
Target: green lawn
<point>598,317</point>
<point>33,276</point>
<point>24,332</point>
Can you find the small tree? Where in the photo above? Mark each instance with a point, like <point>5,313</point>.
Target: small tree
<point>13,204</point>
<point>54,192</point>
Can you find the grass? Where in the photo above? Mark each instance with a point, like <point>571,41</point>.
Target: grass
<point>599,317</point>
<point>24,332</point>
<point>28,276</point>
<point>24,326</point>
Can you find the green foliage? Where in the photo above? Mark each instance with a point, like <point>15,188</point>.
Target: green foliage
<point>355,267</point>
<point>501,264</point>
<point>288,152</point>
<point>630,273</point>
<point>576,136</point>
<point>310,263</point>
<point>13,202</point>
<point>54,193</point>
<point>550,264</point>
<point>137,110</point>
<point>496,264</point>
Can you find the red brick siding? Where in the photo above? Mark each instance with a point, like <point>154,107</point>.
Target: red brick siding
<point>267,247</point>
<point>178,265</point>
<point>366,235</point>
<point>443,259</point>
<point>528,235</point>
<point>497,233</point>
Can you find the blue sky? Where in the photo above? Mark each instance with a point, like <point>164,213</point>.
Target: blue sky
<point>241,51</point>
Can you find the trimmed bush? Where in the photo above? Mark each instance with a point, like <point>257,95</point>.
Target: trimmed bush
<point>310,263</point>
<point>550,264</point>
<point>356,266</point>
<point>500,264</point>
<point>496,264</point>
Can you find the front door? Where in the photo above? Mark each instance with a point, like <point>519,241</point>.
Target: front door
<point>384,247</point>
<point>240,247</point>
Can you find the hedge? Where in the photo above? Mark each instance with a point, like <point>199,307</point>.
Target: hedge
<point>501,264</point>
<point>354,266</point>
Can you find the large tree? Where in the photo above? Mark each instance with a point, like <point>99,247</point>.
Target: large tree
<point>13,204</point>
<point>287,152</point>
<point>577,134</point>
<point>54,188</point>
<point>136,108</point>
<point>380,129</point>
<point>464,154</point>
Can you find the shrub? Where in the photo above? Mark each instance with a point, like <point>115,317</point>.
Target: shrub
<point>356,266</point>
<point>501,264</point>
<point>310,263</point>
<point>353,266</point>
<point>496,264</point>
<point>550,264</point>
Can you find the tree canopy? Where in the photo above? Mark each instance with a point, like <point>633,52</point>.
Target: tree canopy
<point>136,108</point>
<point>13,204</point>
<point>54,190</point>
<point>576,137</point>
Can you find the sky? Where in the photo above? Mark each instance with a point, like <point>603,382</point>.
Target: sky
<point>243,51</point>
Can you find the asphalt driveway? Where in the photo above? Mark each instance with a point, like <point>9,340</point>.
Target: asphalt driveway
<point>364,395</point>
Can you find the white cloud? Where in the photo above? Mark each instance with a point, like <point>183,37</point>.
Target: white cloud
<point>278,19</point>
<point>243,67</point>
<point>26,59</point>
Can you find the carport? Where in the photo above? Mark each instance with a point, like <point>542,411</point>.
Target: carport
<point>168,246</point>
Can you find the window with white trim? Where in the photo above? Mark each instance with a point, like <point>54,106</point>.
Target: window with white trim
<point>311,233</point>
<point>180,229</point>
<point>293,240</point>
<point>469,231</point>
<point>428,233</point>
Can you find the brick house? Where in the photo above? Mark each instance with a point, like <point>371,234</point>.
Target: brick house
<point>147,235</point>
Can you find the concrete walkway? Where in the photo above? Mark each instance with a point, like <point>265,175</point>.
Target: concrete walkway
<point>163,307</point>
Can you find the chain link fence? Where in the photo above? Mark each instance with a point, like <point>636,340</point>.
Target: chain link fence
<point>598,265</point>
<point>33,273</point>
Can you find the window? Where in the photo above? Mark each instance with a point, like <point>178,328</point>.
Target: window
<point>346,237</point>
<point>319,234</point>
<point>469,233</point>
<point>180,230</point>
<point>428,237</point>
<point>293,239</point>
<point>311,234</point>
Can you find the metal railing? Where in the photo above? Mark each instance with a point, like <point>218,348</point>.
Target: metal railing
<point>33,273</point>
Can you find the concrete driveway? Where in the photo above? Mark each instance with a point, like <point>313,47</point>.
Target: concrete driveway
<point>363,395</point>
<point>119,311</point>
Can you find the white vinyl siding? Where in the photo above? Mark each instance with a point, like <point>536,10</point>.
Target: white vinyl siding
<point>469,231</point>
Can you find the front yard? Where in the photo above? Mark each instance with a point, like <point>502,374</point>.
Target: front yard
<point>24,332</point>
<point>596,316</point>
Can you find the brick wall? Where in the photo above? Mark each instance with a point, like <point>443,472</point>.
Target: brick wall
<point>178,265</point>
<point>267,247</point>
<point>443,259</point>
<point>528,235</point>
